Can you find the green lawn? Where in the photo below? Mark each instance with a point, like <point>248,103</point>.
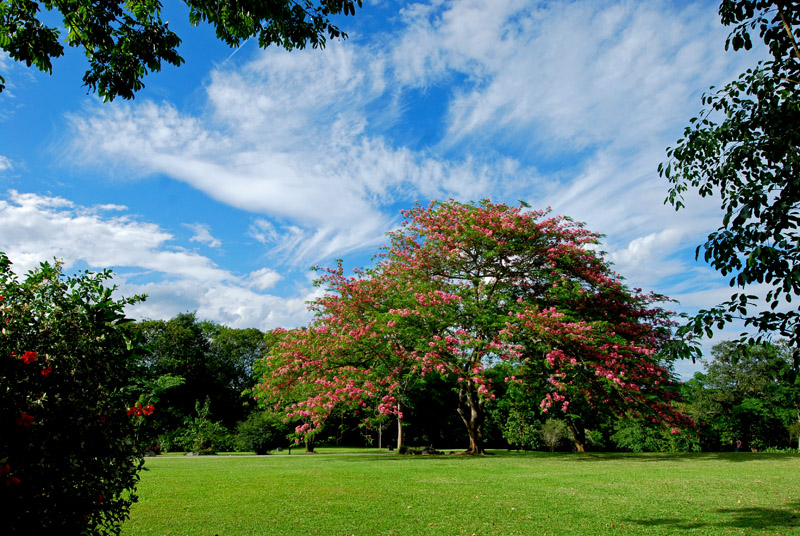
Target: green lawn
<point>505,494</point>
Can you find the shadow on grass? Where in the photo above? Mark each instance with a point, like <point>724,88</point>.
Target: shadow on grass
<point>753,518</point>
<point>736,457</point>
<point>594,457</point>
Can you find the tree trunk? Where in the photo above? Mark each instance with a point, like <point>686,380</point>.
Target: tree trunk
<point>578,434</point>
<point>399,428</point>
<point>470,408</point>
<point>309,440</point>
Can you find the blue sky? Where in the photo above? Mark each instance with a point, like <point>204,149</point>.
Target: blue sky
<point>225,179</point>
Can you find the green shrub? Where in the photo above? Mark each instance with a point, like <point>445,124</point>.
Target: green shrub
<point>780,450</point>
<point>69,456</point>
<point>521,431</point>
<point>203,435</point>
<point>261,432</point>
<point>636,436</point>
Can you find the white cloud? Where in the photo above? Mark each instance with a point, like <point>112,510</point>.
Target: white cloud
<point>5,164</point>
<point>639,255</point>
<point>285,138</point>
<point>202,234</point>
<point>264,279</point>
<point>35,228</point>
<point>578,73</point>
<point>228,304</point>
<point>263,231</point>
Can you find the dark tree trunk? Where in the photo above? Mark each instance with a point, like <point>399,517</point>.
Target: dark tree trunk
<point>470,408</point>
<point>309,443</point>
<point>579,435</point>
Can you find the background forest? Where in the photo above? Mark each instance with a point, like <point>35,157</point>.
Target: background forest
<point>201,373</point>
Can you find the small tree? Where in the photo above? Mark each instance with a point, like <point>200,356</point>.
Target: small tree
<point>69,458</point>
<point>554,431</point>
<point>521,430</point>
<point>202,434</point>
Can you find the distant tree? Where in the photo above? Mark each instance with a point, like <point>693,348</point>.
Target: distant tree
<point>214,361</point>
<point>124,40</point>
<point>242,347</point>
<point>235,351</point>
<point>69,454</point>
<point>261,432</point>
<point>554,431</point>
<point>463,286</point>
<point>748,392</point>
<point>744,148</point>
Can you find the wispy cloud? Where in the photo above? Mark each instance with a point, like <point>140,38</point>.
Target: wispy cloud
<point>202,234</point>
<point>569,74</point>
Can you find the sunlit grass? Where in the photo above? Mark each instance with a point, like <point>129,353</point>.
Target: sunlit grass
<point>525,494</point>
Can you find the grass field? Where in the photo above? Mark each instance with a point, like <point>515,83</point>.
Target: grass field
<point>504,494</point>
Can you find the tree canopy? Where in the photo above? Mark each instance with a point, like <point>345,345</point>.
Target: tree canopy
<point>123,41</point>
<point>464,286</point>
<point>749,393</point>
<point>744,147</point>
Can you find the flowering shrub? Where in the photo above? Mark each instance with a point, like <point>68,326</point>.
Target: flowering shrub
<point>69,460</point>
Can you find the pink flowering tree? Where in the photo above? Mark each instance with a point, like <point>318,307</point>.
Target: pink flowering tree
<point>69,452</point>
<point>348,359</point>
<point>461,287</point>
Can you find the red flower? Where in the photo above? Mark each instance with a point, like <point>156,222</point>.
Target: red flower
<point>28,357</point>
<point>47,371</point>
<point>139,410</point>
<point>25,420</point>
<point>13,481</point>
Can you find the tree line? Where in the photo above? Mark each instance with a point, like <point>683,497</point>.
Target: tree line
<point>202,374</point>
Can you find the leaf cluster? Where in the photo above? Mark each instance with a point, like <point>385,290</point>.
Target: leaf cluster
<point>125,40</point>
<point>743,149</point>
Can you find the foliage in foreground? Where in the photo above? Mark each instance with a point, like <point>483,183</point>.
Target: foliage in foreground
<point>744,149</point>
<point>69,458</point>
<point>123,41</point>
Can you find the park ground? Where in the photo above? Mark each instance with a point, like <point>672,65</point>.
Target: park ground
<point>365,492</point>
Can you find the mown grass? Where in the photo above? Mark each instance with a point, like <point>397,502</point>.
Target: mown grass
<point>505,494</point>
